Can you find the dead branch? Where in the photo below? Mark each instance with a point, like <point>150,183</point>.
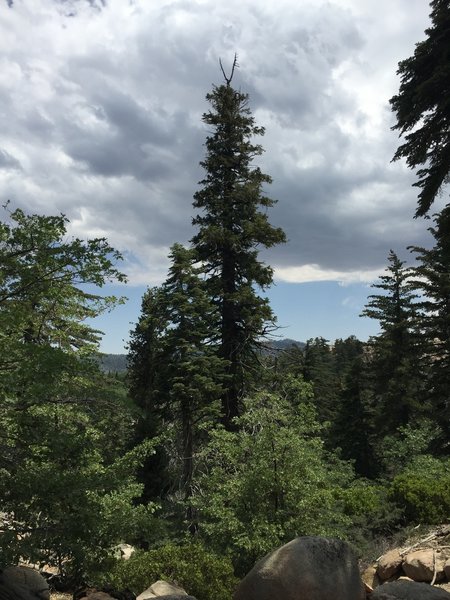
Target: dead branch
<point>235,65</point>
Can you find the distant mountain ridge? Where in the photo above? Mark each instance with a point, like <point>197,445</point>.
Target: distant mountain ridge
<point>284,343</point>
<point>117,363</point>
<point>113,363</point>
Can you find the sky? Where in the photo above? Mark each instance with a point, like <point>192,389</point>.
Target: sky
<point>101,105</point>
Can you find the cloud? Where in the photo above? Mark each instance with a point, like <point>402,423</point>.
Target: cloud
<point>101,106</point>
<point>312,272</point>
<point>7,161</point>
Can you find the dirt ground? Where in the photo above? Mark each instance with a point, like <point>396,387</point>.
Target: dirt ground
<point>60,596</point>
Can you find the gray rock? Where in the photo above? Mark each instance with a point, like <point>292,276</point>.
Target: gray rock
<point>161,589</point>
<point>408,590</point>
<point>23,582</point>
<point>308,568</point>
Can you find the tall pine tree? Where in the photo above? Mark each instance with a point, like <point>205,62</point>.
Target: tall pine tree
<point>319,369</point>
<point>395,352</point>
<point>232,224</point>
<point>175,374</point>
<point>194,372</point>
<point>433,279</point>
<point>147,383</point>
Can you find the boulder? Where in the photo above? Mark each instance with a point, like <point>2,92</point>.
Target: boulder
<point>25,578</point>
<point>146,595</point>
<point>307,568</point>
<point>370,576</point>
<point>389,564</point>
<point>447,569</point>
<point>162,588</point>
<point>124,551</point>
<point>105,593</point>
<point>408,590</point>
<point>421,565</point>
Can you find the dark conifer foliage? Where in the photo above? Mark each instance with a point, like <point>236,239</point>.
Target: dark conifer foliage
<point>232,225</point>
<point>175,374</point>
<point>395,307</point>
<point>319,369</point>
<point>147,387</point>
<point>353,428</point>
<point>433,280</point>
<point>346,352</point>
<point>194,371</point>
<point>422,107</point>
<point>395,353</point>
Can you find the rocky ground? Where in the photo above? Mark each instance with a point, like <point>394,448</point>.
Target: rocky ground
<point>425,556</point>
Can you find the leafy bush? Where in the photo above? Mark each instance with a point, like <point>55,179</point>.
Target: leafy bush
<point>268,482</point>
<point>422,490</point>
<point>409,442</point>
<point>202,573</point>
<point>372,515</point>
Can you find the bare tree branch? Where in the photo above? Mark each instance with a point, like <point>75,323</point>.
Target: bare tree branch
<point>235,65</point>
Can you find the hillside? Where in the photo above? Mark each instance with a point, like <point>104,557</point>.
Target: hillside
<point>113,363</point>
<point>117,363</point>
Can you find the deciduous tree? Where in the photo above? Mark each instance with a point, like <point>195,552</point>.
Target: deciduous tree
<point>66,485</point>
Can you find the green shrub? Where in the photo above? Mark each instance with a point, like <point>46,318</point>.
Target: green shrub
<point>372,515</point>
<point>423,490</point>
<point>269,481</point>
<point>200,572</point>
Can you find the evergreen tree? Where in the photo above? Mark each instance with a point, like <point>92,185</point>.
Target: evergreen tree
<point>194,371</point>
<point>146,378</point>
<point>289,361</point>
<point>353,428</point>
<point>346,353</point>
<point>319,369</point>
<point>423,109</point>
<point>433,279</point>
<point>175,374</point>
<point>232,224</point>
<point>395,352</point>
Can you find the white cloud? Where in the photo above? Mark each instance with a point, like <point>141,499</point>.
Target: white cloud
<point>311,272</point>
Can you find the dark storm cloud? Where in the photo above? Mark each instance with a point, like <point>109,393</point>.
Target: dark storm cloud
<point>130,140</point>
<point>343,220</point>
<point>7,161</point>
<point>105,109</point>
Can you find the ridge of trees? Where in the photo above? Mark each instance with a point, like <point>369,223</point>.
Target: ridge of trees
<point>117,363</point>
<point>365,411</point>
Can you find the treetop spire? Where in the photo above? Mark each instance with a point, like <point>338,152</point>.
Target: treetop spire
<point>234,66</point>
